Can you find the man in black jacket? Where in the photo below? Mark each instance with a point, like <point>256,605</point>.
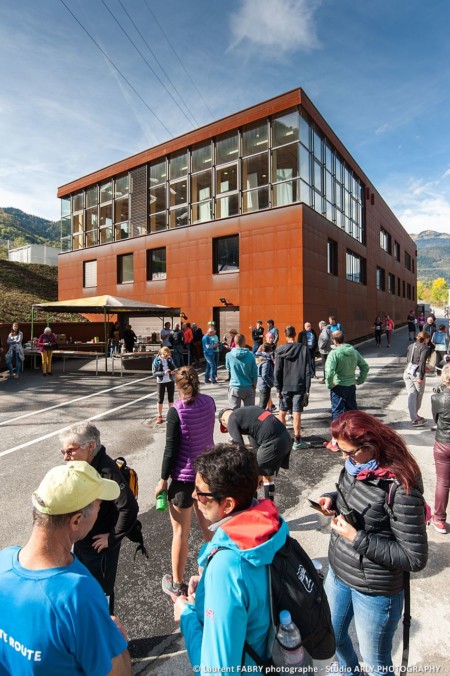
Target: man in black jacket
<point>293,382</point>
<point>308,337</point>
<point>99,550</point>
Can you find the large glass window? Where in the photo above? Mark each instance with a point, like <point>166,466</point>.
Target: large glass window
<point>178,165</point>
<point>255,171</point>
<point>91,197</point>
<point>391,283</point>
<point>158,222</point>
<point>158,198</point>
<point>78,223</point>
<point>202,158</point>
<point>78,202</point>
<point>106,215</point>
<point>255,139</point>
<point>178,193</point>
<point>227,206</point>
<point>106,192</point>
<point>202,211</point>
<point>121,209</point>
<point>121,186</point>
<point>227,148</point>
<point>226,179</point>
<point>156,264</point>
<point>125,272</point>
<point>201,186</point>
<point>255,200</point>
<point>285,163</point>
<point>226,254</point>
<point>285,129</point>
<point>179,217</point>
<point>158,172</point>
<point>385,240</point>
<point>287,193</point>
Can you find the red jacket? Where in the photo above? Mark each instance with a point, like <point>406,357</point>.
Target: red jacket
<point>46,339</point>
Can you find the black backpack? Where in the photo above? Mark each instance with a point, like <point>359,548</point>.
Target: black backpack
<point>296,586</point>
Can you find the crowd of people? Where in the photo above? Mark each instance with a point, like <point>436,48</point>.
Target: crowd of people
<point>83,508</point>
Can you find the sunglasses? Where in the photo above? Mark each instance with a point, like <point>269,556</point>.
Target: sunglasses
<point>69,451</point>
<point>351,453</point>
<point>202,496</point>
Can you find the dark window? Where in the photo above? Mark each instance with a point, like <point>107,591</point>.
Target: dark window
<point>391,283</point>
<point>404,288</point>
<point>408,261</point>
<point>397,251</point>
<point>125,273</point>
<point>381,282</point>
<point>89,274</point>
<point>332,257</point>
<point>156,264</point>
<point>385,241</point>
<point>226,254</point>
<point>399,293</point>
<point>355,268</point>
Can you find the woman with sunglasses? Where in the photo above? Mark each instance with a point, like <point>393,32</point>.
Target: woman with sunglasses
<point>373,541</point>
<point>189,431</point>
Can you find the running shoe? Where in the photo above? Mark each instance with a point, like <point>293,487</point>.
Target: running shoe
<point>438,525</point>
<point>420,422</point>
<point>300,445</point>
<point>159,420</point>
<point>173,589</point>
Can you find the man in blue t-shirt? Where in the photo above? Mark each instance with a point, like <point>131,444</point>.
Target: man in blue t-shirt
<point>53,614</point>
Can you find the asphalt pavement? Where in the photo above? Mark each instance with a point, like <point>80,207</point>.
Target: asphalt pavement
<point>33,410</point>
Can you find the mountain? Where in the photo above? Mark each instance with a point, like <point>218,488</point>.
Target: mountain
<point>19,227</point>
<point>433,255</point>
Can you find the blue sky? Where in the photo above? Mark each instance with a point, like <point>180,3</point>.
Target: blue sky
<point>378,71</point>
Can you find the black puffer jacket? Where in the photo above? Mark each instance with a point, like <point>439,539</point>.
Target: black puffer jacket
<point>440,406</point>
<point>384,546</point>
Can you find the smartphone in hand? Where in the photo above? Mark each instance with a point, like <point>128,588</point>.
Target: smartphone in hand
<point>315,505</point>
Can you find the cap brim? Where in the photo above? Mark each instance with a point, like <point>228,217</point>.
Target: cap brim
<point>223,429</point>
<point>330,446</point>
<point>110,490</point>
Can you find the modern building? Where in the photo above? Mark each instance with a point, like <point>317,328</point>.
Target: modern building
<point>34,253</point>
<point>262,214</point>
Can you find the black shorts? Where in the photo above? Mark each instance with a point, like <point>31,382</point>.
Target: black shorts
<point>292,401</point>
<point>274,454</point>
<point>162,387</point>
<point>180,493</point>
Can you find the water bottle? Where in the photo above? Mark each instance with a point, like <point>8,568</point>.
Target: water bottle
<point>287,650</point>
<point>161,501</point>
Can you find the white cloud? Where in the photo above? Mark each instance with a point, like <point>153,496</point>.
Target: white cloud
<point>281,25</point>
<point>418,204</point>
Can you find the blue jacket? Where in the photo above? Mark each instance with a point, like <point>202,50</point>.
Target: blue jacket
<point>265,364</point>
<point>241,364</point>
<point>232,599</point>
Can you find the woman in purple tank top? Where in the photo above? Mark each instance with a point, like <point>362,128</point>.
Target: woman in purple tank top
<point>189,431</point>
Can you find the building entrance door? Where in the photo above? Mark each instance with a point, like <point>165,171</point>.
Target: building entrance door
<point>226,318</point>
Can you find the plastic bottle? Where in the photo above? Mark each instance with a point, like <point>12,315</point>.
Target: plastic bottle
<point>287,650</point>
<point>161,501</point>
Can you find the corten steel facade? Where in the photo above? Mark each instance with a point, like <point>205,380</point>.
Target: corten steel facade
<point>264,209</point>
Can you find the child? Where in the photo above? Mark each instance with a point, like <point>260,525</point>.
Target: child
<point>265,362</point>
<point>164,367</point>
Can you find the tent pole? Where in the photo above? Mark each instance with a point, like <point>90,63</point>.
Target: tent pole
<point>32,325</point>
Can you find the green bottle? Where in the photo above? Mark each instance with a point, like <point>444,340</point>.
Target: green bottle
<point>161,501</point>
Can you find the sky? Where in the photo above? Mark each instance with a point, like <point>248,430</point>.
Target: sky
<point>85,83</point>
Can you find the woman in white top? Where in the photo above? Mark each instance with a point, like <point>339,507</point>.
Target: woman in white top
<point>163,367</point>
<point>15,351</point>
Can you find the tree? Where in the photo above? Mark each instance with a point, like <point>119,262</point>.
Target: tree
<point>423,291</point>
<point>439,290</point>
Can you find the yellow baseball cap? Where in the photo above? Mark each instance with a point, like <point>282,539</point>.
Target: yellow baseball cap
<point>70,487</point>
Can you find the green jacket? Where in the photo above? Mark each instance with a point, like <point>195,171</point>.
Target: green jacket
<point>341,365</point>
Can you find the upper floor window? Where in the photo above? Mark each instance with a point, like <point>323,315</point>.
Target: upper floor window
<point>332,257</point>
<point>89,274</point>
<point>355,268</point>
<point>381,279</point>
<point>226,254</point>
<point>385,240</point>
<point>125,271</point>
<point>397,251</point>
<point>391,283</point>
<point>156,264</point>
<point>408,261</point>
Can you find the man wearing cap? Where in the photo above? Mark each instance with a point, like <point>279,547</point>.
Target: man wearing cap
<point>99,550</point>
<point>53,614</point>
<point>267,435</point>
<point>241,365</point>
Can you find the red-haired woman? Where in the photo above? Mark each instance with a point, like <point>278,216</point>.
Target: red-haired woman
<point>374,538</point>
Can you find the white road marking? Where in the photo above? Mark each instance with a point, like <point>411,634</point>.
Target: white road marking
<point>56,432</point>
<point>72,401</point>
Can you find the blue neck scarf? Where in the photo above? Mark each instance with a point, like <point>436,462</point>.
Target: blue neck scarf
<point>354,469</point>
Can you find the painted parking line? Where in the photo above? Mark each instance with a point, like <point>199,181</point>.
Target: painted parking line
<point>61,429</point>
<point>72,401</point>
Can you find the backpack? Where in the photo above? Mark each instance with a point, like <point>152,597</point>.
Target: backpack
<point>295,585</point>
<point>131,478</point>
